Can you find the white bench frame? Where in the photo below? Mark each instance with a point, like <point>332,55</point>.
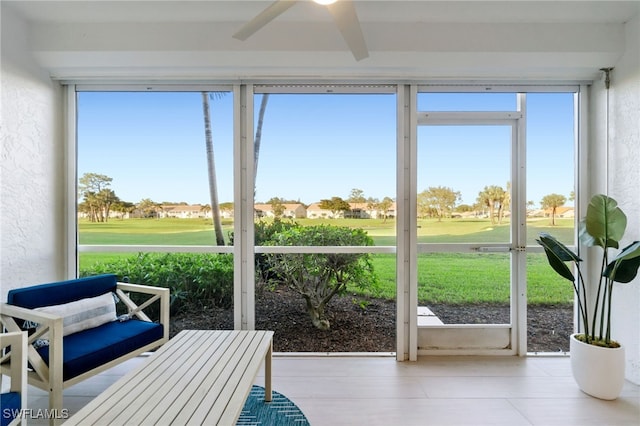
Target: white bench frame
<point>49,377</point>
<point>18,370</point>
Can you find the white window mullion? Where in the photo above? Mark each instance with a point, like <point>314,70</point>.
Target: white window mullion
<point>412,165</point>
<point>248,185</point>
<point>519,229</point>
<point>403,309</point>
<point>406,224</point>
<point>71,179</point>
<point>244,275</point>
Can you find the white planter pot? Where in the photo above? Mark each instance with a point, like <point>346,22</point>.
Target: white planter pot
<point>598,371</point>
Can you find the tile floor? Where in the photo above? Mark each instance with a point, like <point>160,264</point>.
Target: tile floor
<point>335,390</point>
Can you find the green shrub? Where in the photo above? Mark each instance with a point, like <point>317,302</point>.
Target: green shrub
<point>265,232</point>
<point>317,277</point>
<point>193,278</point>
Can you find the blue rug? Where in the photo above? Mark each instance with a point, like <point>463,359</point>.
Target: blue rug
<point>279,412</point>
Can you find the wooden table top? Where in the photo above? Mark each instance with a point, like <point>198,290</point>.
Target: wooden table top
<point>199,377</point>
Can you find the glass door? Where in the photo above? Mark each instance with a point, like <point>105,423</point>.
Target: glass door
<point>469,239</point>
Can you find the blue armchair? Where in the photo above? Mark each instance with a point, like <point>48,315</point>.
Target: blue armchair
<point>15,400</point>
<point>76,333</point>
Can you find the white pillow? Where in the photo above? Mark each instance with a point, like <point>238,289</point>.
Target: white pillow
<point>84,313</point>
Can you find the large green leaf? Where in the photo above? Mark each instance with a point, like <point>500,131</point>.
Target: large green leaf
<point>624,267</point>
<point>604,224</point>
<point>557,254</point>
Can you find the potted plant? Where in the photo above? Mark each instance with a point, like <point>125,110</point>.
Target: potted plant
<point>593,350</point>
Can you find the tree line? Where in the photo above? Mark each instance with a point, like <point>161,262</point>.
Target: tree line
<point>337,205</point>
<point>441,202</point>
<point>494,200</point>
<point>99,200</point>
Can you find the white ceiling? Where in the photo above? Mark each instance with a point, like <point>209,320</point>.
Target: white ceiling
<point>547,11</point>
<point>407,39</point>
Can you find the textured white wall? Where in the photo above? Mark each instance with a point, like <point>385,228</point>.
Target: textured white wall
<point>624,185</point>
<point>32,179</point>
<point>624,176</point>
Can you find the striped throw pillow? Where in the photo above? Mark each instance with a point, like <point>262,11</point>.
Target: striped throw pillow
<point>84,313</point>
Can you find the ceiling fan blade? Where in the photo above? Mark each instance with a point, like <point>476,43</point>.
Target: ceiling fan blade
<point>344,14</point>
<point>263,18</point>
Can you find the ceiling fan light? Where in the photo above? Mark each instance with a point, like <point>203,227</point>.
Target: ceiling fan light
<point>325,2</point>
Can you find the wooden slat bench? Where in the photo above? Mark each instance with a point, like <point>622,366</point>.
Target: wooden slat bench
<point>201,377</point>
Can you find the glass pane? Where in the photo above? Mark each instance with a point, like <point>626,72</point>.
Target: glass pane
<point>143,156</point>
<point>550,307</point>
<point>361,319</point>
<point>464,184</point>
<point>550,208</point>
<point>463,288</point>
<point>550,166</point>
<point>464,197</point>
<point>326,176</point>
<point>466,102</point>
<point>328,147</point>
<point>143,179</point>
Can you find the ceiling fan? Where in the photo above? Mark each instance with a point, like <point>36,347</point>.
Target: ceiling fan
<point>343,12</point>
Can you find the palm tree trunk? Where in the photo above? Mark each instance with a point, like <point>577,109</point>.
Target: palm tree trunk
<point>211,169</point>
<point>256,143</point>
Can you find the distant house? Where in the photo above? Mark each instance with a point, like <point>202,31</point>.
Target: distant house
<point>536,213</point>
<point>113,214</point>
<point>291,211</point>
<point>566,212</point>
<point>563,211</point>
<point>315,212</point>
<point>226,213</point>
<point>366,211</point>
<point>392,212</point>
<point>358,211</point>
<point>184,211</point>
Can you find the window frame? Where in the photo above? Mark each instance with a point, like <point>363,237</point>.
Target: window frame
<point>243,113</point>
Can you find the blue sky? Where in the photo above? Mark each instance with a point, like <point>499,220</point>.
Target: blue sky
<point>314,146</point>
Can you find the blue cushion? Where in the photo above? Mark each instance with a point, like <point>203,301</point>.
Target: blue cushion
<point>62,292</point>
<point>10,403</point>
<point>92,348</point>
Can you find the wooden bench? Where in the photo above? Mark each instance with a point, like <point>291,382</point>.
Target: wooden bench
<point>200,377</point>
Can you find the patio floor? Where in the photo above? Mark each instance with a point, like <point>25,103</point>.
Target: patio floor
<point>377,390</point>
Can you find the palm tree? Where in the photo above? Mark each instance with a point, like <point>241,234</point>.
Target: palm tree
<point>493,197</point>
<point>211,171</point>
<point>256,142</point>
<point>552,202</point>
<point>205,209</point>
<point>484,199</point>
<point>505,202</point>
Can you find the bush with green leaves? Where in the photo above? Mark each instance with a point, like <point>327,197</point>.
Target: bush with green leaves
<point>264,233</point>
<point>193,278</point>
<point>317,277</point>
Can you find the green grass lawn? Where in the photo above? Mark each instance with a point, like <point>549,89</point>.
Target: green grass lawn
<point>151,232</point>
<point>442,277</point>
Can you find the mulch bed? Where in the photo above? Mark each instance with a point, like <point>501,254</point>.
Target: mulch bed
<point>368,325</point>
